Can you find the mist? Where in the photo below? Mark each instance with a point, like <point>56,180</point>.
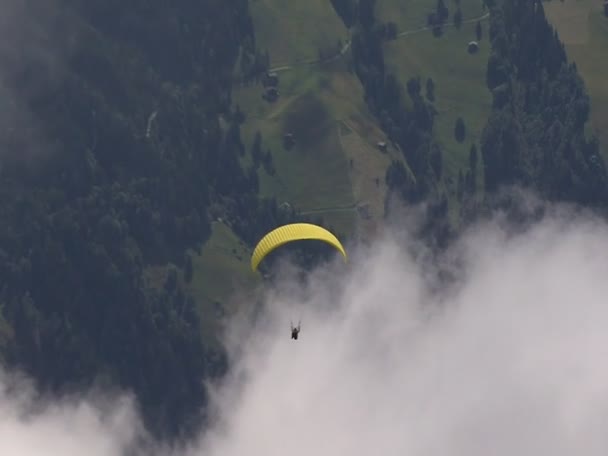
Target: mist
<point>509,358</point>
<point>96,424</point>
<point>35,43</point>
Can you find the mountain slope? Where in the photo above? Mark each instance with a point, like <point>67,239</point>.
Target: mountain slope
<point>325,105</point>
<point>145,152</point>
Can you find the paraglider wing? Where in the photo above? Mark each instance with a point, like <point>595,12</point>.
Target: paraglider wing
<point>289,233</point>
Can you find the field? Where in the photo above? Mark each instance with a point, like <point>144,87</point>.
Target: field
<point>295,31</point>
<point>315,176</point>
<point>221,269</point>
<point>459,77</point>
<point>583,28</point>
<point>367,167</point>
<point>322,105</point>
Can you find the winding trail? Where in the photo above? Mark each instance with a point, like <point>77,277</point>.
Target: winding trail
<point>346,45</point>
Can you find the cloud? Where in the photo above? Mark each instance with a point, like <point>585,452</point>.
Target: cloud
<point>511,358</point>
<point>36,39</point>
<point>31,425</point>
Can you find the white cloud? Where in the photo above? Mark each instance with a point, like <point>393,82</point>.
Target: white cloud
<point>512,359</point>
<point>31,426</point>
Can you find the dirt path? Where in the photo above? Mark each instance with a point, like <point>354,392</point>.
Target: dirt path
<point>346,47</point>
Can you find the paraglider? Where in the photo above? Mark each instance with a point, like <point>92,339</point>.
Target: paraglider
<point>290,233</point>
<point>295,331</point>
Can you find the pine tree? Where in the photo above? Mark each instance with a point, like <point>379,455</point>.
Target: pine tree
<point>256,149</point>
<point>430,89</point>
<point>188,269</point>
<point>458,18</point>
<point>473,158</point>
<point>459,130</point>
<point>478,30</point>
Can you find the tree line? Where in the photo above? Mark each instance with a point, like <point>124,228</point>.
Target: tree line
<point>125,155</point>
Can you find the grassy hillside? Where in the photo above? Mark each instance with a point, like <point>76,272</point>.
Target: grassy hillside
<point>335,169</point>
<point>317,104</point>
<point>313,174</point>
<point>458,76</point>
<point>583,28</point>
<point>221,269</point>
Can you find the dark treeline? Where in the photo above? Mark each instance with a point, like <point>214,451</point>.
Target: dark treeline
<point>535,136</point>
<point>410,128</point>
<point>121,164</point>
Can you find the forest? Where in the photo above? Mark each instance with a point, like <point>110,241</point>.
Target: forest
<point>534,138</point>
<point>121,144</point>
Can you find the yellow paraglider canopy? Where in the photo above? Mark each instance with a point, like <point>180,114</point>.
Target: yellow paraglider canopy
<point>289,233</point>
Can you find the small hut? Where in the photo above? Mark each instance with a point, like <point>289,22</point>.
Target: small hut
<point>271,94</point>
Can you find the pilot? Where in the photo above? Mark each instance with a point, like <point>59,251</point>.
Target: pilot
<point>295,331</point>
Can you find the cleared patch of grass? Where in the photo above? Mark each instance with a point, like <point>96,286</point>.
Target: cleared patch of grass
<point>221,269</point>
<point>294,31</point>
<point>367,166</point>
<point>589,55</point>
<point>571,19</point>
<point>460,86</point>
<point>315,171</point>
<point>314,175</point>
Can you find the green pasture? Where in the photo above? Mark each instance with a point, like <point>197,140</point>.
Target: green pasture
<point>219,271</point>
<point>314,175</point>
<point>460,84</point>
